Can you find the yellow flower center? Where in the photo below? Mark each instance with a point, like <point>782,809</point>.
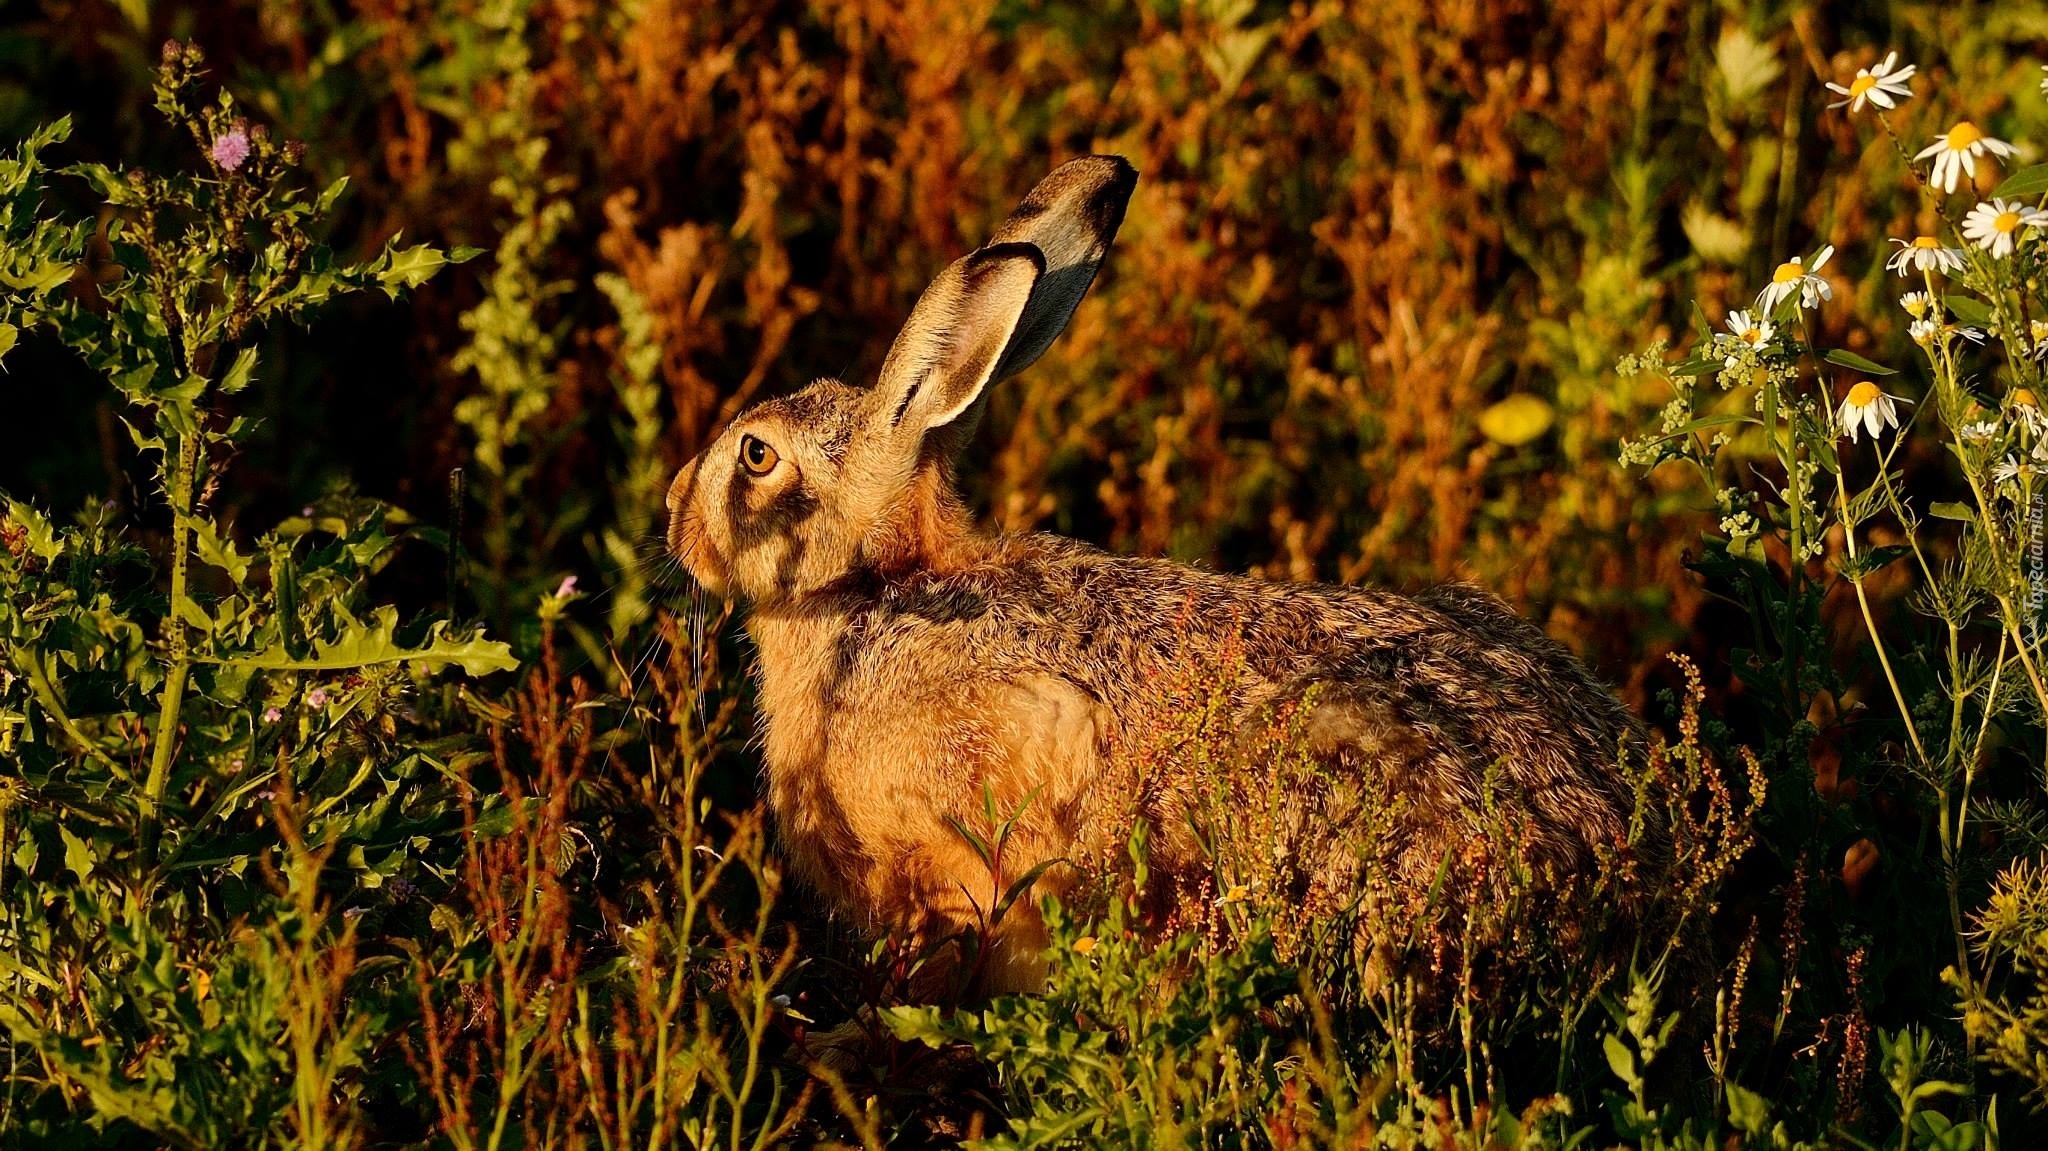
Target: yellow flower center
<point>1863,82</point>
<point>1753,335</point>
<point>1864,394</point>
<point>1928,242</point>
<point>2006,221</point>
<point>1962,136</point>
<point>2024,398</point>
<point>1788,271</point>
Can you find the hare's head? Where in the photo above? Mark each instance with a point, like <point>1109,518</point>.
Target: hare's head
<point>800,491</point>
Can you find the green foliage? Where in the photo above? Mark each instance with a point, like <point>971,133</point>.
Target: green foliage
<point>1135,1044</point>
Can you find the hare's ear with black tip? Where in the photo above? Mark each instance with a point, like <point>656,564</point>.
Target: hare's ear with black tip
<point>1071,216</point>
<point>993,312</point>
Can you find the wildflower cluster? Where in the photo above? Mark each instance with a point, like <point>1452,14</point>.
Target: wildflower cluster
<point>1831,514</point>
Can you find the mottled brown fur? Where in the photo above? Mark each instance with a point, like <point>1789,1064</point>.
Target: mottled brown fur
<point>907,662</point>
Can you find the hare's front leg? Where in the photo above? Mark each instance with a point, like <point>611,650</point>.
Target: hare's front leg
<point>1039,756</point>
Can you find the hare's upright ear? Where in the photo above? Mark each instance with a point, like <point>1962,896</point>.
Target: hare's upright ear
<point>993,312</point>
<point>1071,216</point>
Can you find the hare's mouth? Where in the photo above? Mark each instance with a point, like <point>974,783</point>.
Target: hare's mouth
<point>690,543</point>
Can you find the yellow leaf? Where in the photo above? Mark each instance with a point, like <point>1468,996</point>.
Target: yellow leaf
<point>1517,420</point>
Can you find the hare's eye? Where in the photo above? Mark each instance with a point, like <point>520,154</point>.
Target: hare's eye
<point>756,456</point>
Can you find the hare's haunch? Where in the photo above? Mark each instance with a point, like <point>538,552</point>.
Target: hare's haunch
<point>909,663</point>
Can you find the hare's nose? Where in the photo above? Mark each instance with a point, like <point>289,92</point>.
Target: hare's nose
<point>679,488</point>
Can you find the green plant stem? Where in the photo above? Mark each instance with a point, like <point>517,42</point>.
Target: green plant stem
<point>1870,625</point>
<point>173,698</point>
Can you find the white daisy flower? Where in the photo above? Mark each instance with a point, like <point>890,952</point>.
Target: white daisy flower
<point>1980,432</point>
<point>1868,408</point>
<point>2038,330</point>
<point>1744,329</point>
<point>1917,304</point>
<point>2010,469</point>
<point>1928,332</point>
<point>1924,254</point>
<point>1955,154</point>
<point>1994,225</point>
<point>1794,278</point>
<point>1880,85</point>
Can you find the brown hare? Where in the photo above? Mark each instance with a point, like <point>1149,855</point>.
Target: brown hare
<point>907,663</point>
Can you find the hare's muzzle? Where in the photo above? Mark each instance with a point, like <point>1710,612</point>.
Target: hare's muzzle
<point>688,539</point>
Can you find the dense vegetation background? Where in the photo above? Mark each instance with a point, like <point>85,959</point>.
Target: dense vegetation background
<point>1361,324</point>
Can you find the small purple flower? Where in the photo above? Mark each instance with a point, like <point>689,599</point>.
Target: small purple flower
<point>230,149</point>
<point>566,588</point>
<point>317,697</point>
<point>272,715</point>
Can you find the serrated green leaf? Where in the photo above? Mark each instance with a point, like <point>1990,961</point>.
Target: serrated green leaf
<point>1852,360</point>
<point>371,643</point>
<point>219,552</point>
<point>38,279</point>
<point>8,334</point>
<point>329,195</point>
<point>134,382</point>
<point>924,1024</point>
<point>2027,182</point>
<point>410,268</point>
<point>239,372</point>
<point>43,541</point>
